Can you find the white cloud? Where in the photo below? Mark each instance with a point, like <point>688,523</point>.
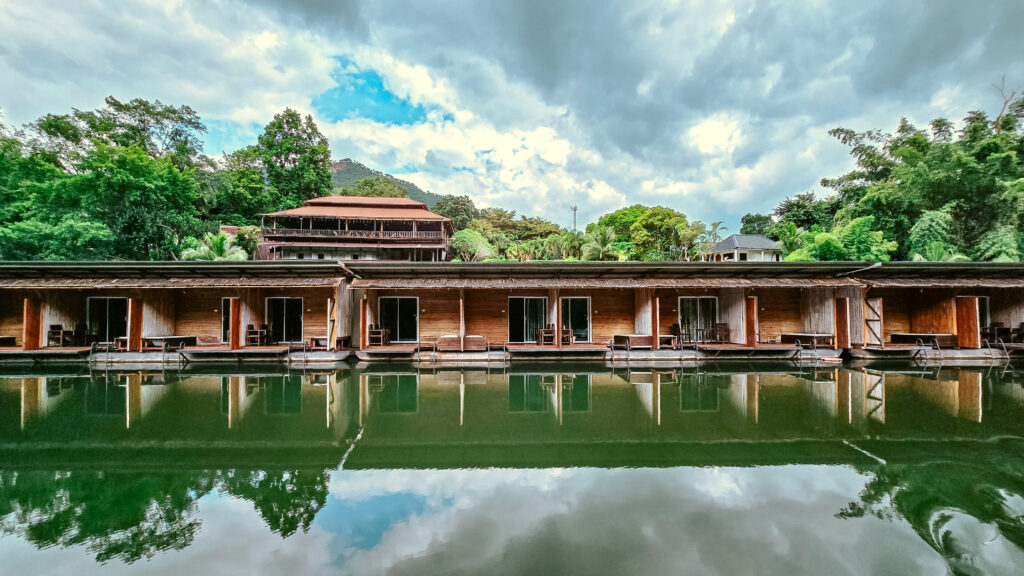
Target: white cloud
<point>717,134</point>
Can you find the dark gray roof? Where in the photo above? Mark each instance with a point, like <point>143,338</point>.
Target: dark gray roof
<point>746,242</point>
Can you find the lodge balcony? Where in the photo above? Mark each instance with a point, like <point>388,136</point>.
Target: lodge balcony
<point>421,236</point>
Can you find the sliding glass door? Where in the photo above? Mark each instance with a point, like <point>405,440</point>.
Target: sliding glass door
<point>108,318</point>
<point>697,313</point>
<point>525,317</point>
<point>401,317</point>
<point>576,317</point>
<point>284,317</point>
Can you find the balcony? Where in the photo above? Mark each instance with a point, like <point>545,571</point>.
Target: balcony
<point>434,237</point>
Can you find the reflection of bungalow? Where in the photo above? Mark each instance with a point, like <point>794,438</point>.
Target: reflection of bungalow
<point>356,228</point>
<point>745,248</point>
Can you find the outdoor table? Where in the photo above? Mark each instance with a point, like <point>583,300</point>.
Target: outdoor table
<point>632,340</point>
<point>810,338</point>
<point>939,339</point>
<point>168,342</point>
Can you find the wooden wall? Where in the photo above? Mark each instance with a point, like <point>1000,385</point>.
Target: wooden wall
<point>1007,306</point>
<point>778,311</point>
<point>895,311</point>
<point>818,310</point>
<point>198,314</point>
<point>12,303</point>
<point>64,307</point>
<point>642,306</point>
<point>731,310</point>
<point>932,311</point>
<point>856,296</point>
<point>158,313</point>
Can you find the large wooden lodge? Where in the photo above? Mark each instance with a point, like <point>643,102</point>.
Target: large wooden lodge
<point>325,311</point>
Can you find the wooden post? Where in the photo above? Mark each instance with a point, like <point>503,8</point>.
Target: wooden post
<point>750,322</point>
<point>133,399</point>
<point>363,334</point>
<point>462,317</point>
<point>135,325</point>
<point>842,324</point>
<point>642,310</point>
<point>655,320</point>
<point>235,339</point>
<point>31,323</point>
<point>968,324</point>
<point>332,335</point>
<point>558,318</point>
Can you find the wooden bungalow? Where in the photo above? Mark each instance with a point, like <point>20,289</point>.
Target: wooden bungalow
<point>61,309</point>
<point>941,308</point>
<point>547,308</point>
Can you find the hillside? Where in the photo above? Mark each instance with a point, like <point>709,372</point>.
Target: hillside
<point>345,173</point>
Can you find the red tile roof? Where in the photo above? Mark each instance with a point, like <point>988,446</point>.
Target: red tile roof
<point>363,208</point>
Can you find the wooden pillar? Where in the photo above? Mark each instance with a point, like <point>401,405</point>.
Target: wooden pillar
<point>968,325</point>
<point>31,324</point>
<point>235,339</point>
<point>462,317</point>
<point>363,334</point>
<point>842,339</point>
<point>133,400</point>
<point>750,321</point>
<point>655,320</point>
<point>135,324</point>
<point>753,397</point>
<point>558,318</point>
<point>642,310</point>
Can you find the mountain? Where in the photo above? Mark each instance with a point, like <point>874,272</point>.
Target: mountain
<point>345,173</point>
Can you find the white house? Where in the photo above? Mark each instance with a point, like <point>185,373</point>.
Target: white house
<point>745,248</point>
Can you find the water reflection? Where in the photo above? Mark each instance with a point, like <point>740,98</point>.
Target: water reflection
<point>417,463</point>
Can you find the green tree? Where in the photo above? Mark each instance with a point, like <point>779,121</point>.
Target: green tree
<point>459,209</point>
<point>69,239</point>
<point>380,186</point>
<point>756,224</point>
<point>571,244</point>
<point>654,233</point>
<point>218,246</point>
<point>622,220</point>
<point>245,196</point>
<point>932,226</point>
<point>471,246</point>
<point>600,243</point>
<point>296,158</point>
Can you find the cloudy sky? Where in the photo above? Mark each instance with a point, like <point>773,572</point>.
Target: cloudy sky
<point>712,108</point>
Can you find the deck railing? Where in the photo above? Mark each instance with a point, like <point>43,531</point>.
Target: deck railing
<point>358,234</point>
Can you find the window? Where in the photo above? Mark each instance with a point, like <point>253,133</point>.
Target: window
<point>108,318</point>
<point>225,319</point>
<point>526,393</point>
<point>300,256</point>
<point>743,256</point>
<point>576,393</point>
<point>283,394</point>
<point>576,317</point>
<point>400,316</point>
<point>525,317</point>
<point>394,393</point>
<point>697,395</point>
<point>284,319</point>
<point>319,256</point>
<point>697,312</point>
<point>984,311</point>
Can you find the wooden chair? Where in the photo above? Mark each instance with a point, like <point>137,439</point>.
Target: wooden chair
<point>682,333</point>
<point>58,336</point>
<point>721,333</point>
<point>568,337</point>
<point>546,336</point>
<point>378,336</point>
<point>254,337</point>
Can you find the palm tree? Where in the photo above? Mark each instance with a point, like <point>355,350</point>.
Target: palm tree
<point>714,233</point>
<point>572,244</point>
<point>600,243</point>
<point>219,246</point>
<point>790,236</point>
<point>937,251</point>
<point>687,236</point>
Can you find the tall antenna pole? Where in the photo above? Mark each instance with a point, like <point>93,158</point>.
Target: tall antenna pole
<point>573,217</point>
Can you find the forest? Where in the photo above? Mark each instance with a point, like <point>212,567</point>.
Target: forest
<point>130,181</point>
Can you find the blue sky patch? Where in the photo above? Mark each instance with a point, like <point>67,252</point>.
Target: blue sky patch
<point>362,94</point>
